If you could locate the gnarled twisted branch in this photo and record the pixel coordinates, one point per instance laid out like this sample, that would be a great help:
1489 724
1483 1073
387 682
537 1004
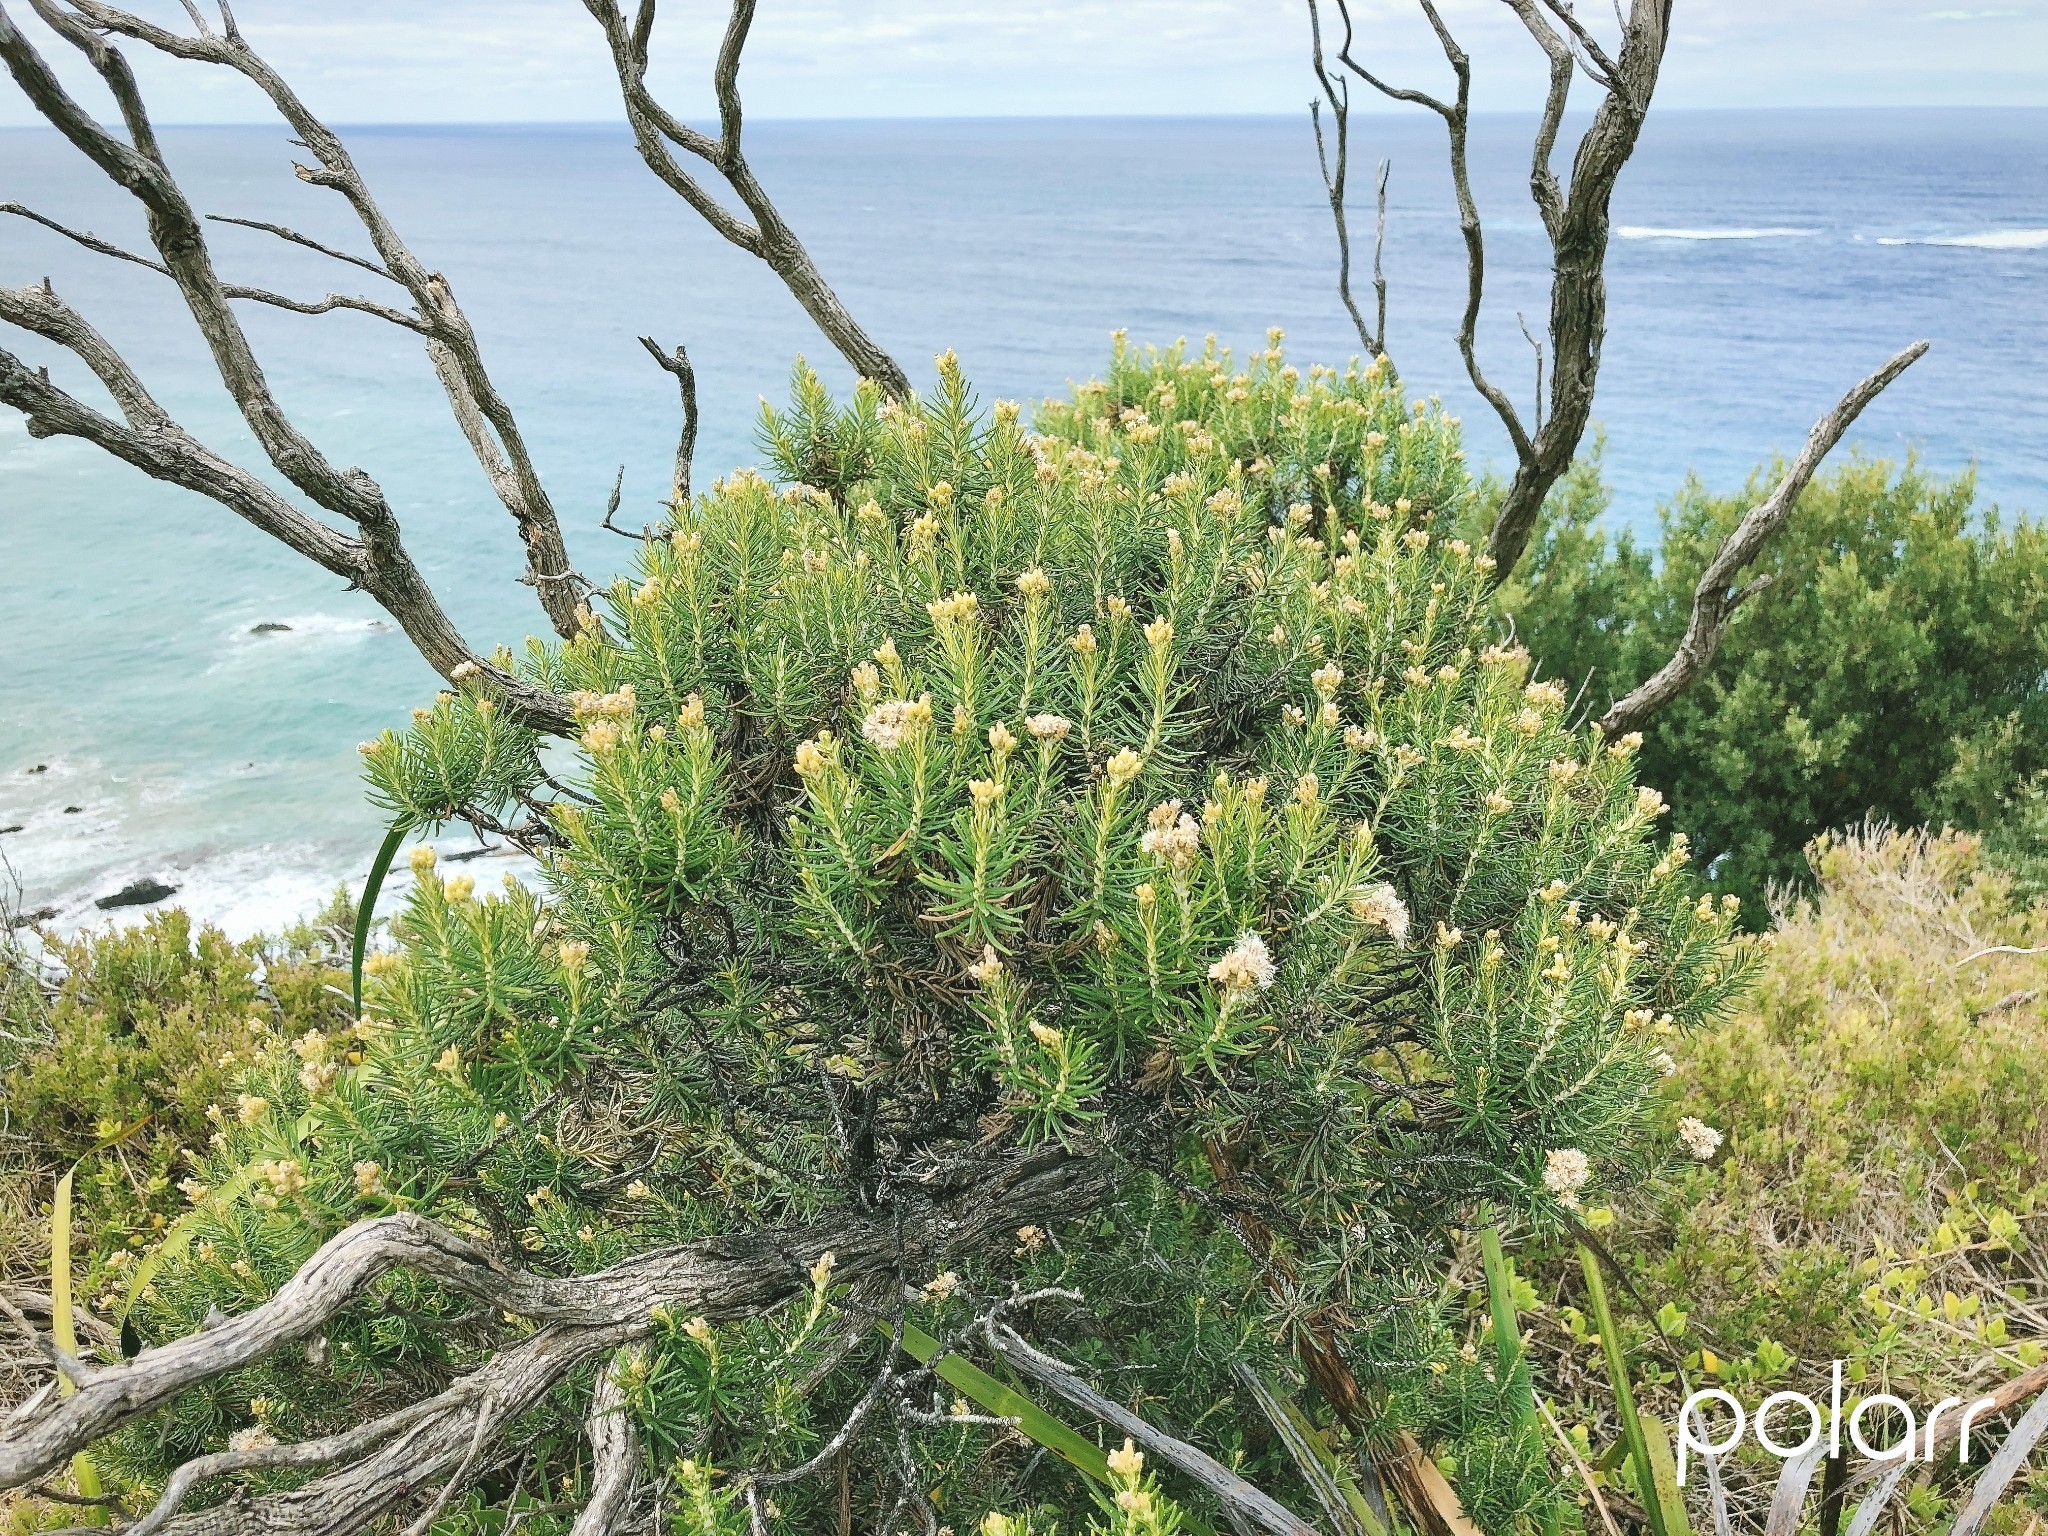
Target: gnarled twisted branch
973 1205
452 343
372 555
1574 215
1717 596
659 133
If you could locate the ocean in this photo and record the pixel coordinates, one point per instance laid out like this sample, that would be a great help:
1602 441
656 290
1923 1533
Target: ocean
1765 261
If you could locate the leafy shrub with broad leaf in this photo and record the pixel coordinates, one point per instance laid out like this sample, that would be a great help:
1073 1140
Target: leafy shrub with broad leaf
1896 665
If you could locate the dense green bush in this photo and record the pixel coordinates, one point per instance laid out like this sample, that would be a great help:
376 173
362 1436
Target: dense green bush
1148 799
1897 666
145 1027
1883 1196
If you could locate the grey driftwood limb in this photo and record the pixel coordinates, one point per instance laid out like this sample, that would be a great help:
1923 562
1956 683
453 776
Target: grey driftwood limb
658 134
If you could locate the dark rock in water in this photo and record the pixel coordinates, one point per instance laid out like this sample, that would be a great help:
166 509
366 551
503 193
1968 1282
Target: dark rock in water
141 894
40 768
30 919
464 855
73 810
5 830
270 629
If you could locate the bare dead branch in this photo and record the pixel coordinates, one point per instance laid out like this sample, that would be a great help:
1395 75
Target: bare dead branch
686 383
1593 59
1456 114
1337 91
152 442
1579 227
472 395
1575 219
1379 250
614 1451
1244 1502
2005 1397
293 237
306 1453
67 1364
1314 1473
657 133
971 1206
1716 596
1543 186
1536 347
332 302
85 238
2012 1455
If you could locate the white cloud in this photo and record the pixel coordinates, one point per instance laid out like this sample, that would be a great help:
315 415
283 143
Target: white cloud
543 60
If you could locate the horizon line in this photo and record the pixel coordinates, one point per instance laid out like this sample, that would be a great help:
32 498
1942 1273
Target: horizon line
1056 117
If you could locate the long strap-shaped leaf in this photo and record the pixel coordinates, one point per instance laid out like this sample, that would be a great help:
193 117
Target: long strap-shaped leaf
179 1238
1624 1396
1790 1498
1078 1452
367 907
1081 1454
63 1328
63 1323
2018 1445
1664 1475
1871 1510
1343 1504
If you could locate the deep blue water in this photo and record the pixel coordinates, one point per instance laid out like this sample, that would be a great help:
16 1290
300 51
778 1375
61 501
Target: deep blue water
1767 261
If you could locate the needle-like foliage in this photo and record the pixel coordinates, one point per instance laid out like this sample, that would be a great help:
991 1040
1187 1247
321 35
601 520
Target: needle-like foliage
1150 788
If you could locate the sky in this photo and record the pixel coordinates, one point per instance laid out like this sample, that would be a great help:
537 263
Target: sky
418 61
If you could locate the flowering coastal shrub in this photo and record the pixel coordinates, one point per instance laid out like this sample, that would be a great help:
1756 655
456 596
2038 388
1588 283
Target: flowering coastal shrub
1148 791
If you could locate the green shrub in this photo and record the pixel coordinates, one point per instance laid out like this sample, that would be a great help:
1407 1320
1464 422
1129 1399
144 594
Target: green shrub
1897 666
1148 797
1883 1194
143 1026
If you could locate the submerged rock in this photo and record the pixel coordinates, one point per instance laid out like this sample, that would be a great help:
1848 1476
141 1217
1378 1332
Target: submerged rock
139 894
270 629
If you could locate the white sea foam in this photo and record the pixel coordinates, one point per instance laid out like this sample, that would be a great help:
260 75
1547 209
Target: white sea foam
1988 240
314 626
1657 232
249 891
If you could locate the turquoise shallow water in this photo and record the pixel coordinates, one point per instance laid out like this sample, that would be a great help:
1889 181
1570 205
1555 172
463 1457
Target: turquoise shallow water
1766 260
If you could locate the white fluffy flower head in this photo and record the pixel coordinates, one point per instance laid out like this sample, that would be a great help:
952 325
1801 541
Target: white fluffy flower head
1245 968
1565 1172
1699 1139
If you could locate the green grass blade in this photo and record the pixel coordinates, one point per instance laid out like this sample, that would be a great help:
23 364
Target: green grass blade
64 1329
1507 1332
62 1326
1624 1398
367 906
1664 1475
179 1237
1075 1449
1305 1442
1071 1447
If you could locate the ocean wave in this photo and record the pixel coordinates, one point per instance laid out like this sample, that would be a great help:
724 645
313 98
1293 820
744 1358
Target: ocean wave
1656 232
1987 240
